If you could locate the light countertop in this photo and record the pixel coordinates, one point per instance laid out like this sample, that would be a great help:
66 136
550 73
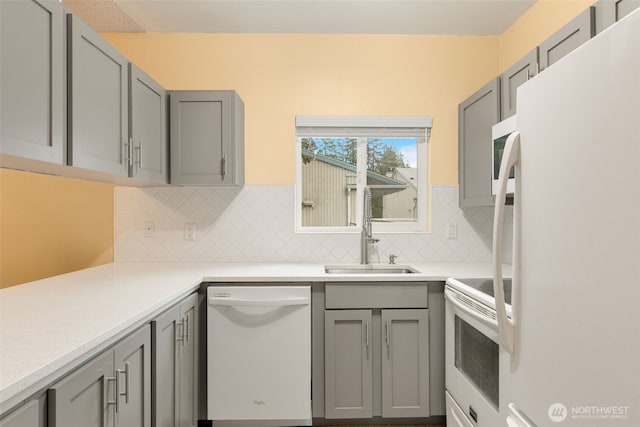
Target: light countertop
50 325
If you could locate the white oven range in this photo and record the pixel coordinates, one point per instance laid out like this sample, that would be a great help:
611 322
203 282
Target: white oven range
477 366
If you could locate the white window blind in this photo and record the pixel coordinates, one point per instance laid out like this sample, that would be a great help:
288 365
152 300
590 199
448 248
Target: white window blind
364 126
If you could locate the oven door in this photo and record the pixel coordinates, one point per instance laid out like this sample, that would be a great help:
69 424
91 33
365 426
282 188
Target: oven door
475 363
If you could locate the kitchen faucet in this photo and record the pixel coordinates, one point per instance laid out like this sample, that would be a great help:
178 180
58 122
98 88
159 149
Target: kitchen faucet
366 233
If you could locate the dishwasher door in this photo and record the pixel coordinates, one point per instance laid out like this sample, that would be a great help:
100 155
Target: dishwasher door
259 355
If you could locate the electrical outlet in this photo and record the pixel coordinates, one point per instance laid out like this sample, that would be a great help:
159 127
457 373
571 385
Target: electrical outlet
452 231
190 231
149 229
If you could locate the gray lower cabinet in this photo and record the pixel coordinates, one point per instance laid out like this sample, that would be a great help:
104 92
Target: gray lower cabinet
32 79
348 364
476 115
206 138
133 367
512 78
111 390
148 127
362 355
174 391
405 363
608 12
575 33
98 98
31 414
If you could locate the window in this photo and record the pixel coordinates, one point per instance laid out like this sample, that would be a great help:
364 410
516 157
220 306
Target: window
338 156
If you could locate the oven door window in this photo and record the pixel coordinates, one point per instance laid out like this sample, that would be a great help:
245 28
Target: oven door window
477 357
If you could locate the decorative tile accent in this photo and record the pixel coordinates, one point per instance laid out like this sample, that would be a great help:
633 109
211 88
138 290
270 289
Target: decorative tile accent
257 224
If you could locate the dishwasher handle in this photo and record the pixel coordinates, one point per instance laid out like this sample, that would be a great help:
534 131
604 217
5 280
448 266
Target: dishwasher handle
244 302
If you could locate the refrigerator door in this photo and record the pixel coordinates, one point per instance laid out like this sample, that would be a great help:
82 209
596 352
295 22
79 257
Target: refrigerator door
576 301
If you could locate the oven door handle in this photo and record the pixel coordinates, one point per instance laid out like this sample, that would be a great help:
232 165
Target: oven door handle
510 158
451 297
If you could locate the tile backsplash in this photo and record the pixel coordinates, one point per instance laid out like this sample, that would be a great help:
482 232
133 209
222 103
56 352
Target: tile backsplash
256 223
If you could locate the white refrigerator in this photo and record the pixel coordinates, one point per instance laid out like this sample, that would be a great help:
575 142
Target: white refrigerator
574 334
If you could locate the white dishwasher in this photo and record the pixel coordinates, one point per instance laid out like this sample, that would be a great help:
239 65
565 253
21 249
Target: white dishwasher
259 355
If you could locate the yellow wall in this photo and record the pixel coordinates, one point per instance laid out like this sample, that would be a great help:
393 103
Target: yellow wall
52 225
281 76
535 25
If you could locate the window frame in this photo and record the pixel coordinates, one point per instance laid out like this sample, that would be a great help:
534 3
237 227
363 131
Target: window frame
379 125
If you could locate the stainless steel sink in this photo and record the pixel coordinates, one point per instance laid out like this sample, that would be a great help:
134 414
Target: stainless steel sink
369 269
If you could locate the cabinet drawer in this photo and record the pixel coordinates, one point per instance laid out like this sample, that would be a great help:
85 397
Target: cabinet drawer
373 295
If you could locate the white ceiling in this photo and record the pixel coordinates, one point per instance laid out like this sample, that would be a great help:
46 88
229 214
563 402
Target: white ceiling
463 17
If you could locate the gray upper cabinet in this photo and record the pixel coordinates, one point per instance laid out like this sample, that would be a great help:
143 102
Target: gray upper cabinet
514 76
608 12
575 33
476 115
98 99
175 365
148 127
405 363
348 364
112 390
207 138
32 79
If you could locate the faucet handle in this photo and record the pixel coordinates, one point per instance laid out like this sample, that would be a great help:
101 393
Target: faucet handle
392 258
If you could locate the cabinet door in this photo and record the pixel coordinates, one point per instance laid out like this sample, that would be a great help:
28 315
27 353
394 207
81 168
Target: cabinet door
133 367
31 414
608 12
165 334
578 31
476 115
405 363
516 75
148 124
32 79
188 366
206 138
98 102
84 398
348 364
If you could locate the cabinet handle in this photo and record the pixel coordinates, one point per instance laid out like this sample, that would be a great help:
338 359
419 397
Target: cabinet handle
224 165
387 337
366 335
180 337
138 161
126 381
128 153
186 328
115 402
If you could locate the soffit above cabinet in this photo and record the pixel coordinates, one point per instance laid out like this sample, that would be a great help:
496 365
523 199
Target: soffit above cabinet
460 17
103 16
